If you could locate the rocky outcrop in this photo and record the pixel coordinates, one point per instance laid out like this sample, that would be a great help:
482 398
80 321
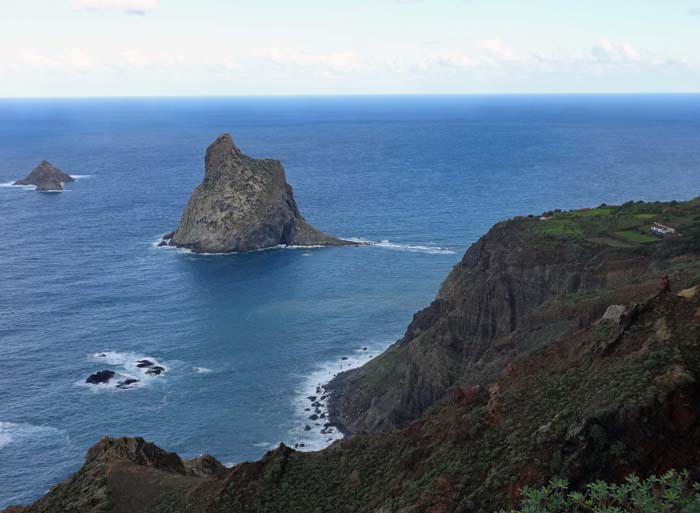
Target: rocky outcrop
243 204
46 177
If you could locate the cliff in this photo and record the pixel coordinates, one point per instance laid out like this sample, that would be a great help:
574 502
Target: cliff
243 204
583 363
526 283
46 177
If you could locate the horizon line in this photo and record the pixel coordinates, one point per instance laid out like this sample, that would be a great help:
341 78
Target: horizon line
348 95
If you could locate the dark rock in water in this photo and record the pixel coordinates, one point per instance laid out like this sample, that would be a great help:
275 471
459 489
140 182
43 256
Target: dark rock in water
343 357
127 382
307 428
311 398
144 363
301 445
307 409
313 417
243 204
364 349
165 239
155 371
46 177
101 377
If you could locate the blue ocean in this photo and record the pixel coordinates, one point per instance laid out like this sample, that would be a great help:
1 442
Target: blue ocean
245 338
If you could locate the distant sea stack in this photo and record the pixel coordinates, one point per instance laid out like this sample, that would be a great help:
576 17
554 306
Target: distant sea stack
46 177
243 204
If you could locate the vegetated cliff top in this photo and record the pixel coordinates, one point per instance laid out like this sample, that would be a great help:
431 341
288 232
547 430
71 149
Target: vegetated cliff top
597 377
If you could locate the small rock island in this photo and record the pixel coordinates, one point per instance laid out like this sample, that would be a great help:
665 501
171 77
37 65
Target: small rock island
46 177
243 204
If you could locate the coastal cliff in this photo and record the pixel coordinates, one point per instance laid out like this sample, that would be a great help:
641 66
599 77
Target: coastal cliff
562 346
46 177
243 204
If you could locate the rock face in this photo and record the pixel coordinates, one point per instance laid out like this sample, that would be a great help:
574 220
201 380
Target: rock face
541 357
515 291
46 177
243 204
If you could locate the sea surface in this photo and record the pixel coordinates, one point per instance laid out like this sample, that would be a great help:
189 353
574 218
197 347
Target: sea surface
245 338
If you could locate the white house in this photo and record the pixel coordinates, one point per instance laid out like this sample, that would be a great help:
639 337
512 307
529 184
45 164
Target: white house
662 229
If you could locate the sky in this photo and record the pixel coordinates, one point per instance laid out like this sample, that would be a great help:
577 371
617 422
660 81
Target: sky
78 48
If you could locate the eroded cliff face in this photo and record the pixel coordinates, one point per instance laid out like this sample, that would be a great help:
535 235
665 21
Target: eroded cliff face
512 293
243 204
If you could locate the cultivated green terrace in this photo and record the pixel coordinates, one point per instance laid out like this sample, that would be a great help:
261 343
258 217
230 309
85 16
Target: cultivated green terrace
627 225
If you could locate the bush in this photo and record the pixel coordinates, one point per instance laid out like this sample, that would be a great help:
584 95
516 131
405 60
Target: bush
671 493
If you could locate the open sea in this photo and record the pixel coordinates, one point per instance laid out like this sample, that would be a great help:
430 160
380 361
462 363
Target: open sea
245 338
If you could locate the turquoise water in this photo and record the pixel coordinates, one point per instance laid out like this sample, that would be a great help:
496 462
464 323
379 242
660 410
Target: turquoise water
245 338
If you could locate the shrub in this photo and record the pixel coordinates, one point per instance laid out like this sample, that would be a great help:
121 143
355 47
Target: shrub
672 492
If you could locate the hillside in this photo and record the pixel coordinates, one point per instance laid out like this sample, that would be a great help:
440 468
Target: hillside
561 346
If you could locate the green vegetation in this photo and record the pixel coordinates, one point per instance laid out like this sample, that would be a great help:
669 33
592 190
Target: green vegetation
636 236
670 493
593 212
620 226
561 227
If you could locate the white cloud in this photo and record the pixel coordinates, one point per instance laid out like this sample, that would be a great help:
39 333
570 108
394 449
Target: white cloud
452 59
497 49
335 61
127 6
611 52
72 60
36 59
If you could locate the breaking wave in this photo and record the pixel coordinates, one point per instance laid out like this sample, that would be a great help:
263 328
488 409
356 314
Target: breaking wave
387 244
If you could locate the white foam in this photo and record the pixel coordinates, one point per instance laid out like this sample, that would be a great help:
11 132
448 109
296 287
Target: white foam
81 177
12 184
129 369
11 433
186 251
386 244
201 370
30 187
314 385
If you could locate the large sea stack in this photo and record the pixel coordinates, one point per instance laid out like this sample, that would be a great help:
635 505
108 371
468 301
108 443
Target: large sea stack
243 204
46 177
